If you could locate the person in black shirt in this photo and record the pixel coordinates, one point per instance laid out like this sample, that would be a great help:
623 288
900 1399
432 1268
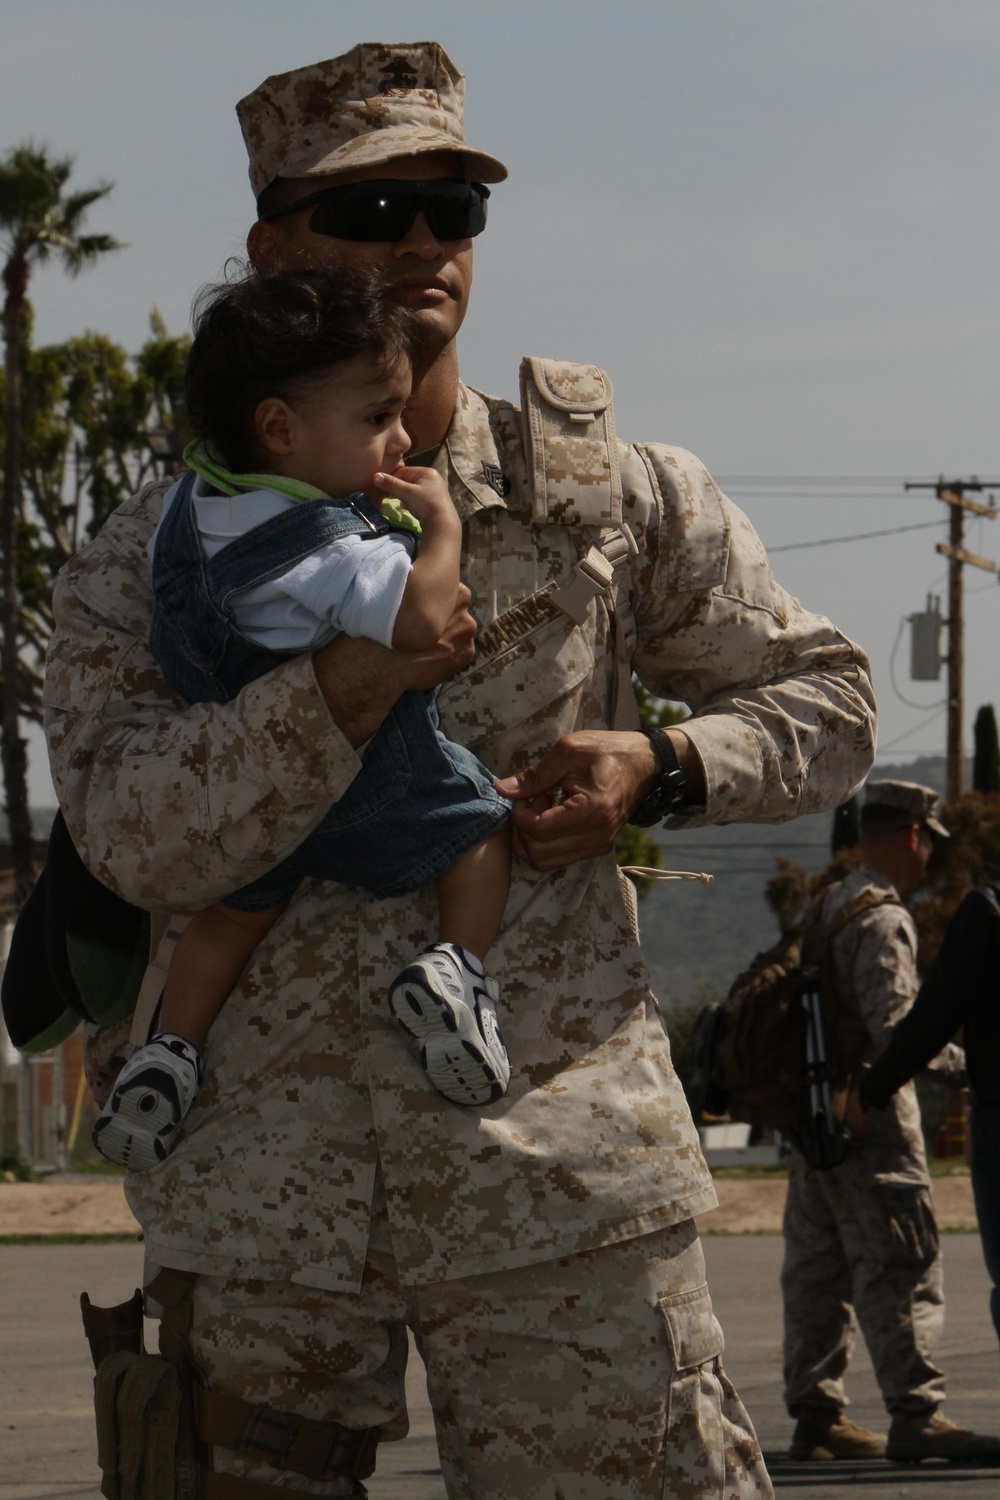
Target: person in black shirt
962 989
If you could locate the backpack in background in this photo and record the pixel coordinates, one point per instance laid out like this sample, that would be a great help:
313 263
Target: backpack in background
772 1053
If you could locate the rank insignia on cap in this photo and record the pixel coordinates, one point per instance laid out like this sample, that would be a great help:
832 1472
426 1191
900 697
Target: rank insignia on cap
496 479
397 75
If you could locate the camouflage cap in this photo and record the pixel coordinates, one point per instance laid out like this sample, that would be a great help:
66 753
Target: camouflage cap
910 798
380 101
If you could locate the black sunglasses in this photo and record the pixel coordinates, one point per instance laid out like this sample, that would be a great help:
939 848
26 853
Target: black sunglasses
384 209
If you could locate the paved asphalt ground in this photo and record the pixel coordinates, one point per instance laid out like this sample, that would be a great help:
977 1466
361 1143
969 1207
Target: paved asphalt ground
46 1419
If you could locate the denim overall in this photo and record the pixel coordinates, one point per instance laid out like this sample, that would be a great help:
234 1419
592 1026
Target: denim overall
419 800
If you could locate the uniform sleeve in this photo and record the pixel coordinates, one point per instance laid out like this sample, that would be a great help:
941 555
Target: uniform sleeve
783 713
174 806
883 969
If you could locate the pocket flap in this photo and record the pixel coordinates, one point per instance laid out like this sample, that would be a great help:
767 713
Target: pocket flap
692 1328
570 387
568 423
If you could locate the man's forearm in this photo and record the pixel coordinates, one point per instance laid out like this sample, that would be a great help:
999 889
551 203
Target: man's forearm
361 680
360 683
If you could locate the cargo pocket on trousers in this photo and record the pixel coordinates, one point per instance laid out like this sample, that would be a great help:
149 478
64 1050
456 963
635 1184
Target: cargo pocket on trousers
695 1436
906 1232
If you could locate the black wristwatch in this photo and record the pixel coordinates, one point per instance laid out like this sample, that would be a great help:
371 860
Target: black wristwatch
669 795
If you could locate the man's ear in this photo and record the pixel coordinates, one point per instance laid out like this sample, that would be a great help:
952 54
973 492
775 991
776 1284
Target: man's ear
264 246
274 426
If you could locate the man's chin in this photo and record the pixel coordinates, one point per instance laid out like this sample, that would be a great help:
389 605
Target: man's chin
439 326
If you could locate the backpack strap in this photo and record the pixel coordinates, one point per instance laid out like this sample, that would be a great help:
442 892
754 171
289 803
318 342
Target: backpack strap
571 451
862 902
817 934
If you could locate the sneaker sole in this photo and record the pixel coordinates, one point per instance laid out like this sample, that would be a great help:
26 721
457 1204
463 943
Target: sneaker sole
122 1133
451 1048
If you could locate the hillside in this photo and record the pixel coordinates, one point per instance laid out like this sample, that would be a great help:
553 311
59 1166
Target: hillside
697 938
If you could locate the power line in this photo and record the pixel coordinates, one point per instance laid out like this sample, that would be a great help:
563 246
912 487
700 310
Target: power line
804 489
915 730
710 850
860 536
857 481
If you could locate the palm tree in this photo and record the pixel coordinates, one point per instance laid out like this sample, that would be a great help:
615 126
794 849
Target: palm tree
37 224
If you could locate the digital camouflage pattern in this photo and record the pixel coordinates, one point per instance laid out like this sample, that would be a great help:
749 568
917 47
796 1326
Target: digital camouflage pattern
309 1081
873 961
852 1242
663 1419
572 456
864 1233
375 103
911 799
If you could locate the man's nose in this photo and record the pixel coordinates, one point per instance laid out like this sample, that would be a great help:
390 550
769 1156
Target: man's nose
419 239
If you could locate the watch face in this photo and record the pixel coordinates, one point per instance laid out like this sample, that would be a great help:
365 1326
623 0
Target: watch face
667 797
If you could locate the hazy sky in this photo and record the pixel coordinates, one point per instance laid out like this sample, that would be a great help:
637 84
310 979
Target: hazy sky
774 222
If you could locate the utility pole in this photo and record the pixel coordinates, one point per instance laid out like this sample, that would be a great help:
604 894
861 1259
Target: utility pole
953 493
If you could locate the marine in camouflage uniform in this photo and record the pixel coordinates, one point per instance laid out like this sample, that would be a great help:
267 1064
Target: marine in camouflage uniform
863 1235
322 1197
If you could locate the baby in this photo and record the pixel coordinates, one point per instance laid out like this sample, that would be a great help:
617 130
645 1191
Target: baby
298 520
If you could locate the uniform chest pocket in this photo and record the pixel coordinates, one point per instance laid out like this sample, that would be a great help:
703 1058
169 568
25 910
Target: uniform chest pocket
532 680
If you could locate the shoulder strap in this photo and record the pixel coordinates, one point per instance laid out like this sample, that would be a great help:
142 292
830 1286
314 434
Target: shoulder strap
568 423
816 934
862 902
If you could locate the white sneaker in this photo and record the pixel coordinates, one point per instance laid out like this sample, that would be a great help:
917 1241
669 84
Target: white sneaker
452 1012
154 1091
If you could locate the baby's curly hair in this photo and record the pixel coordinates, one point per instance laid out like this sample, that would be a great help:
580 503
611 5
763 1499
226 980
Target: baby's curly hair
276 334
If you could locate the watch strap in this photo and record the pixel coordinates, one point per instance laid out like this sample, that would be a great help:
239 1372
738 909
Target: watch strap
669 795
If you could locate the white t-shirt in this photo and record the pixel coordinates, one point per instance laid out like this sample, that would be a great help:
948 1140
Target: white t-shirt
353 586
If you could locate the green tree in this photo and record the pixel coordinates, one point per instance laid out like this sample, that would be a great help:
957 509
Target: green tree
986 760
792 888
88 409
968 858
39 221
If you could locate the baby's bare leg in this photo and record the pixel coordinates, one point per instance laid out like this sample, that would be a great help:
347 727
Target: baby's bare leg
473 894
211 954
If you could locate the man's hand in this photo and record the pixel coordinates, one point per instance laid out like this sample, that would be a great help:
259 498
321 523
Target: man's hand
361 680
455 651
571 804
